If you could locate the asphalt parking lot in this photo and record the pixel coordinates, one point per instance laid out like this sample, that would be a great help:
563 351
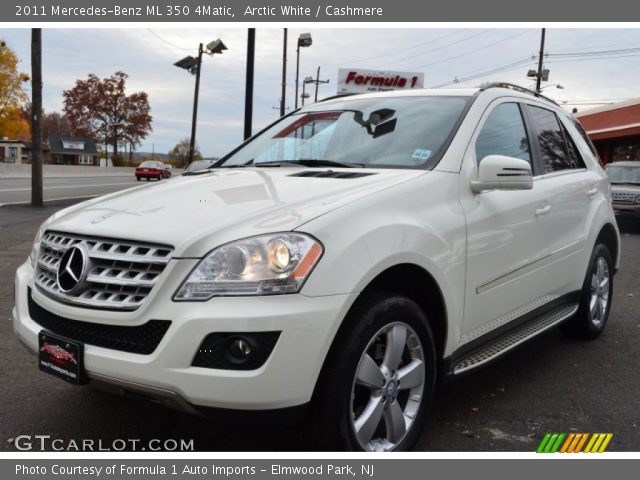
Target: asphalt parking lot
552 384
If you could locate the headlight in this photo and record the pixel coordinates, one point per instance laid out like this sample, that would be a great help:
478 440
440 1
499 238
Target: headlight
265 265
36 243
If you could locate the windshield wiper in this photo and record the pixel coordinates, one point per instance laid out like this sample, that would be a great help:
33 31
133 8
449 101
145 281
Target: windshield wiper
309 162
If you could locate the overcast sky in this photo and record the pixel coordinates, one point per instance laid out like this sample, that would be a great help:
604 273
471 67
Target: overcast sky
441 54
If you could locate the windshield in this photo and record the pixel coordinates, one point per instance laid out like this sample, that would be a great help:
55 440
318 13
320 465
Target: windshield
618 174
198 165
396 132
150 164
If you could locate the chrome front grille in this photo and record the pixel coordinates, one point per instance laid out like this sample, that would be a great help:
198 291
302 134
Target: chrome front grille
119 276
621 197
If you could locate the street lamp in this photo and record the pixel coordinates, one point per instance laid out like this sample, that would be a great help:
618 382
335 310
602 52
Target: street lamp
304 84
304 40
557 85
193 66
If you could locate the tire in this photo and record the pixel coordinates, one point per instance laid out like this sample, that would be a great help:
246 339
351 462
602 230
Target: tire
138 178
595 299
360 354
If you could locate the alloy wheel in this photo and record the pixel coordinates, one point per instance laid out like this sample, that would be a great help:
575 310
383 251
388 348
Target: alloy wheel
388 388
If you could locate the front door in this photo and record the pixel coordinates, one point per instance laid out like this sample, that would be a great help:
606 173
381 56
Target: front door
507 231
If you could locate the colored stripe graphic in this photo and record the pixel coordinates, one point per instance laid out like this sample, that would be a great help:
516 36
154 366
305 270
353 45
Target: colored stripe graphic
574 443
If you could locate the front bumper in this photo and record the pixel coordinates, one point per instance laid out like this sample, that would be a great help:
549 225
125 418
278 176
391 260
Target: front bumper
625 209
307 325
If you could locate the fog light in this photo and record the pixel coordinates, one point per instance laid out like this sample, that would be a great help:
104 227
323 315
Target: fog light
235 350
240 349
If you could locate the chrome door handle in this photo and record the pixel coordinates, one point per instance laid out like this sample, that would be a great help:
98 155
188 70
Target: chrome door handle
543 209
592 192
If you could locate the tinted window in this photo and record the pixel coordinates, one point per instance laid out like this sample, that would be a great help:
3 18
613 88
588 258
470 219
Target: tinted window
585 137
556 154
573 154
503 134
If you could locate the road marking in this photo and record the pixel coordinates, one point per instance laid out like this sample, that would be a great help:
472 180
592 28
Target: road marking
70 186
52 200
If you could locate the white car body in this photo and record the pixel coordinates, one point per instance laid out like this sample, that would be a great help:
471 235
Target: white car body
494 256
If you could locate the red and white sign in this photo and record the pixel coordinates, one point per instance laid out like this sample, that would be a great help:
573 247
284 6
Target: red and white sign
356 80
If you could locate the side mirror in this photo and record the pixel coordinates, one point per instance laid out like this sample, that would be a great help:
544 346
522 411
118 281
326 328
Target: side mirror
498 172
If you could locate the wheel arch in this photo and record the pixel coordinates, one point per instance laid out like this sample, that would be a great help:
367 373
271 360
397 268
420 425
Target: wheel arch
608 236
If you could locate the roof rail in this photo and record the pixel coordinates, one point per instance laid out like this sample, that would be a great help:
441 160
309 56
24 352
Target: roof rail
333 97
517 88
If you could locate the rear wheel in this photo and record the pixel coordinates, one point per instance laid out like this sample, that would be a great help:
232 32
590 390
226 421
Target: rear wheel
378 381
595 300
137 178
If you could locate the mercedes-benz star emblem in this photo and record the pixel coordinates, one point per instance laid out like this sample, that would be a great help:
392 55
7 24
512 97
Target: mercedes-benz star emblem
72 269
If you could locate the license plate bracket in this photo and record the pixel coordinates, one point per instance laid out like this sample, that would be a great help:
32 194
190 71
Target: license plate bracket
61 357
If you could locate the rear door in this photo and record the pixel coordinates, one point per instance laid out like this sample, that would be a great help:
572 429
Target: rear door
571 190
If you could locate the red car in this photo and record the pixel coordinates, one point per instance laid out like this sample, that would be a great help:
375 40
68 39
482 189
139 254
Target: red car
152 169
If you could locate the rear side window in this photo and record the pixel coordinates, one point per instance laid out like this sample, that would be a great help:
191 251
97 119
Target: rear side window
585 137
556 147
503 134
573 154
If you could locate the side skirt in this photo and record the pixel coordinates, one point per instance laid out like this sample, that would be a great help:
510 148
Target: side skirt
496 343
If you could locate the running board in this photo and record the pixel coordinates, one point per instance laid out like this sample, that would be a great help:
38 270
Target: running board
512 339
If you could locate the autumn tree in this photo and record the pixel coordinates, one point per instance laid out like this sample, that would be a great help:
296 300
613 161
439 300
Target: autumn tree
55 122
180 152
12 96
101 109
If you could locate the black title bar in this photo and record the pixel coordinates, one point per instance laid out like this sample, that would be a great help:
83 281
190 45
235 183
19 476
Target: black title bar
30 11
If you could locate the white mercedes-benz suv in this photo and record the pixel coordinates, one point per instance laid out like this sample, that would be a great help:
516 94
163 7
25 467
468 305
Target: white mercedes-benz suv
338 263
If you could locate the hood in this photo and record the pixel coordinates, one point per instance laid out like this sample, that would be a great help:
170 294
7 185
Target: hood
197 213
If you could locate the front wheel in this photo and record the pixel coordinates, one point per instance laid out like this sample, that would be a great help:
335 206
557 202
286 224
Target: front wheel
378 381
595 298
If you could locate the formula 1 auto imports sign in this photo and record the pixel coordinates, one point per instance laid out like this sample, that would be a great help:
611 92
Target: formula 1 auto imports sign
355 80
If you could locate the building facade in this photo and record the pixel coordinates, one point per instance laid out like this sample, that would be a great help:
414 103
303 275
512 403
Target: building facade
73 150
614 130
13 151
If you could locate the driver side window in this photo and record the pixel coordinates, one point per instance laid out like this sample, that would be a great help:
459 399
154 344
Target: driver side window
503 133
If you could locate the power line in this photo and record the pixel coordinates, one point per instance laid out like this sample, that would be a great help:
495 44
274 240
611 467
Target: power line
484 73
583 53
468 52
464 39
594 53
607 57
395 51
169 43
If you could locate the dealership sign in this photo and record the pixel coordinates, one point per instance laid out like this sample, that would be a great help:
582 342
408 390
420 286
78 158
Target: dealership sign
355 80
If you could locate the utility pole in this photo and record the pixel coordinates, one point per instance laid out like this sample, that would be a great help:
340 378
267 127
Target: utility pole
318 82
284 74
540 58
36 117
192 143
248 100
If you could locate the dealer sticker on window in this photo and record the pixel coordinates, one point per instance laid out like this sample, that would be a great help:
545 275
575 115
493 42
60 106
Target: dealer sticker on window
421 154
